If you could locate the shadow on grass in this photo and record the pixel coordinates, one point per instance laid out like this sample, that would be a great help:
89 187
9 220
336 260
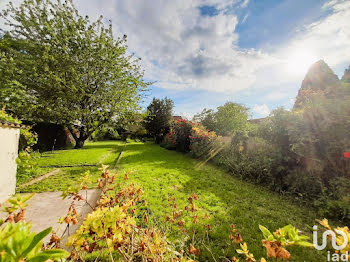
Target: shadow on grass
74 165
101 144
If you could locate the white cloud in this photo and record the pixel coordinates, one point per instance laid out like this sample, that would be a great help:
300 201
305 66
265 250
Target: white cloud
180 48
261 110
183 50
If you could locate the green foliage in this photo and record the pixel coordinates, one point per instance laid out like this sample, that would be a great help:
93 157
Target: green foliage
253 162
299 152
159 118
169 141
13 94
226 120
187 136
287 236
230 118
8 118
17 202
105 133
96 81
138 132
206 118
18 243
119 226
27 138
27 166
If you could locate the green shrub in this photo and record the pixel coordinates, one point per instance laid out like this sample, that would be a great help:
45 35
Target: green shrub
139 132
335 209
8 118
105 133
27 166
253 165
304 184
27 138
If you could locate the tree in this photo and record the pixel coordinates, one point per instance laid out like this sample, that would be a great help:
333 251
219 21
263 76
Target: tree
13 95
75 72
160 115
230 118
206 118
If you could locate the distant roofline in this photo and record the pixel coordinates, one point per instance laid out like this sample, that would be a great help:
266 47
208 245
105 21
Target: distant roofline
257 120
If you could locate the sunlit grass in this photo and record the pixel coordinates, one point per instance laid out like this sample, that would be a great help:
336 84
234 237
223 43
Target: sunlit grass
165 173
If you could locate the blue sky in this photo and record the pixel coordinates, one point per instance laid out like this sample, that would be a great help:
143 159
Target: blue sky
203 53
272 22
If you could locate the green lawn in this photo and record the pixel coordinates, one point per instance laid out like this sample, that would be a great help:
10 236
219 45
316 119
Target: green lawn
93 153
166 173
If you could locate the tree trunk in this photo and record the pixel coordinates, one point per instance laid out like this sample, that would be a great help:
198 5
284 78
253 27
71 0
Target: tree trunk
79 143
79 139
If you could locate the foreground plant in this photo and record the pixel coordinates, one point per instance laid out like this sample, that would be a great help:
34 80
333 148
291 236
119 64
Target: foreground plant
17 242
341 233
276 242
119 227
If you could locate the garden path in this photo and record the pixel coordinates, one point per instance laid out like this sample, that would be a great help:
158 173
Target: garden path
45 209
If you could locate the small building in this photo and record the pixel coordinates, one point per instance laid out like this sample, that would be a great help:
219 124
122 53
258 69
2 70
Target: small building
9 139
176 118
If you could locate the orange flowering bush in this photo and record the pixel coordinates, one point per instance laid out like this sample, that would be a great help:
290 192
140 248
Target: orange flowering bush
169 141
203 142
187 136
182 129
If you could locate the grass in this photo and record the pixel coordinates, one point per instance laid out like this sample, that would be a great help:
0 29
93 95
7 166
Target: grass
97 153
92 153
165 173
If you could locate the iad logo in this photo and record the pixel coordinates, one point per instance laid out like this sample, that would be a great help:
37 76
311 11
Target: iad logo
335 256
333 238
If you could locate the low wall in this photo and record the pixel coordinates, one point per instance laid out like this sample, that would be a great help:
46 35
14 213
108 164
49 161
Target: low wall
8 154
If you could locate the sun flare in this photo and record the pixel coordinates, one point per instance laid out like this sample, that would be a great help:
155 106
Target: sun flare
299 61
